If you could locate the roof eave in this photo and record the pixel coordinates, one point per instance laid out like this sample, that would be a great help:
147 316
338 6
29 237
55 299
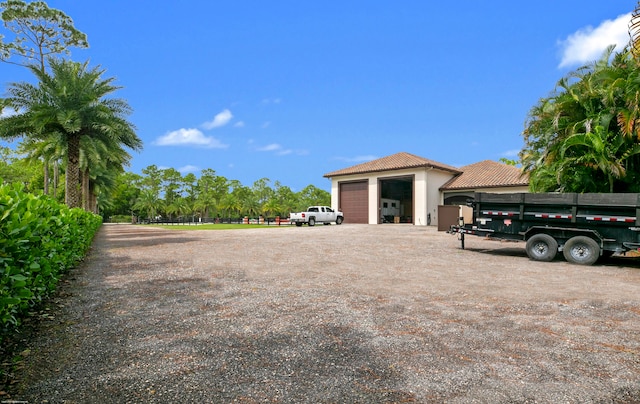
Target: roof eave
471 188
331 175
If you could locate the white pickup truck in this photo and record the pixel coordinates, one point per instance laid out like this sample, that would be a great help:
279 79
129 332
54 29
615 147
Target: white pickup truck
316 214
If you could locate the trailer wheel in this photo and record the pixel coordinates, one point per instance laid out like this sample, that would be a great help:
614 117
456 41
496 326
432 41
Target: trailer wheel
312 221
339 220
581 250
542 247
299 224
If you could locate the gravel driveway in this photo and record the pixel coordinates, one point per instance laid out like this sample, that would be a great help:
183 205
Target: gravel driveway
335 314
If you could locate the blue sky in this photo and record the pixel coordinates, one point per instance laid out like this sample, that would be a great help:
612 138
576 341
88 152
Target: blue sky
292 90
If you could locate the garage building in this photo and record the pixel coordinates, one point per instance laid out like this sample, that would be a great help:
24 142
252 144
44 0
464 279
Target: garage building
405 188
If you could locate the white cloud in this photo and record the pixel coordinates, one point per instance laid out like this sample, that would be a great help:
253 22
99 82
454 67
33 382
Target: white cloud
270 147
511 153
189 137
188 169
266 125
219 120
239 124
274 147
587 44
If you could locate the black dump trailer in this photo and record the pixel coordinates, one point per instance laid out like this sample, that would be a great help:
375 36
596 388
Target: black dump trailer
583 227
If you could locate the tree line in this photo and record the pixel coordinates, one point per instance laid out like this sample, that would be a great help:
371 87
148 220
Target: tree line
167 193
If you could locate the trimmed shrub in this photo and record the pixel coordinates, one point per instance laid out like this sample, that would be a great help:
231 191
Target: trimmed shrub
40 239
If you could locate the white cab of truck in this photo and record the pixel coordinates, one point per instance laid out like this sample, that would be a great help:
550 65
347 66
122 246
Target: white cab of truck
317 214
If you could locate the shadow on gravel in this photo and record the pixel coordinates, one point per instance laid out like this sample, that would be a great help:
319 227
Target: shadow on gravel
620 261
508 252
147 239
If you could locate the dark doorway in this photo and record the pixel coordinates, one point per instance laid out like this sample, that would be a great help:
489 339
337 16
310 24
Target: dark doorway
395 202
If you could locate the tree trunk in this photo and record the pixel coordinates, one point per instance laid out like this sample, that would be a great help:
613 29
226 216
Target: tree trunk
46 176
85 189
93 199
72 193
56 178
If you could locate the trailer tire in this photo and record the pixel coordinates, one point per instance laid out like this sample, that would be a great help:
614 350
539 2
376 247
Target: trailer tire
339 220
542 247
581 250
299 224
312 221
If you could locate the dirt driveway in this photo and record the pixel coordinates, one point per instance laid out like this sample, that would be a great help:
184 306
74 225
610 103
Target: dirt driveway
335 314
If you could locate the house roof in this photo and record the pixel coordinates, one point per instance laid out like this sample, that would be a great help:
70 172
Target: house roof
396 161
487 174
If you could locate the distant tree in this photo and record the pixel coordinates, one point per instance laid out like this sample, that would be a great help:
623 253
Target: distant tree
286 198
152 180
123 195
230 205
210 191
38 32
179 206
148 202
312 195
189 187
171 185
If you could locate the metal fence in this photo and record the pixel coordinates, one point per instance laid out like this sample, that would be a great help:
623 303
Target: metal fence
187 221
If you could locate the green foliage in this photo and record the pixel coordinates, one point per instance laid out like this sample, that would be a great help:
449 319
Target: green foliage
168 194
585 137
70 111
120 218
14 168
39 240
38 31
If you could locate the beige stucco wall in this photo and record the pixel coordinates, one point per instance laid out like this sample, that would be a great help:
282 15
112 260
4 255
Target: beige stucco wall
426 194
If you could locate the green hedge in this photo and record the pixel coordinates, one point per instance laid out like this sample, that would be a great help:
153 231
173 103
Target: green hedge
39 240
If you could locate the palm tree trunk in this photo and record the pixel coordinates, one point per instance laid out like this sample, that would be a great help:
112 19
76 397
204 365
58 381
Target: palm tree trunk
610 183
46 176
72 194
93 199
56 178
85 189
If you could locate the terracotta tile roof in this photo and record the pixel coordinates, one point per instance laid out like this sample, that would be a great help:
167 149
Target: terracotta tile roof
487 174
396 161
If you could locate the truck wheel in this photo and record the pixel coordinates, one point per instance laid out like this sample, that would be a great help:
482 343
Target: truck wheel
581 250
298 224
339 220
312 221
542 247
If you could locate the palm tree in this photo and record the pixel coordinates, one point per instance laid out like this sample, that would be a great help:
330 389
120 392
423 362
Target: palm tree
599 152
70 105
584 129
230 204
149 202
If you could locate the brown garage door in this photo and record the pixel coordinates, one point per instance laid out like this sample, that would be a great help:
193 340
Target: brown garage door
353 201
